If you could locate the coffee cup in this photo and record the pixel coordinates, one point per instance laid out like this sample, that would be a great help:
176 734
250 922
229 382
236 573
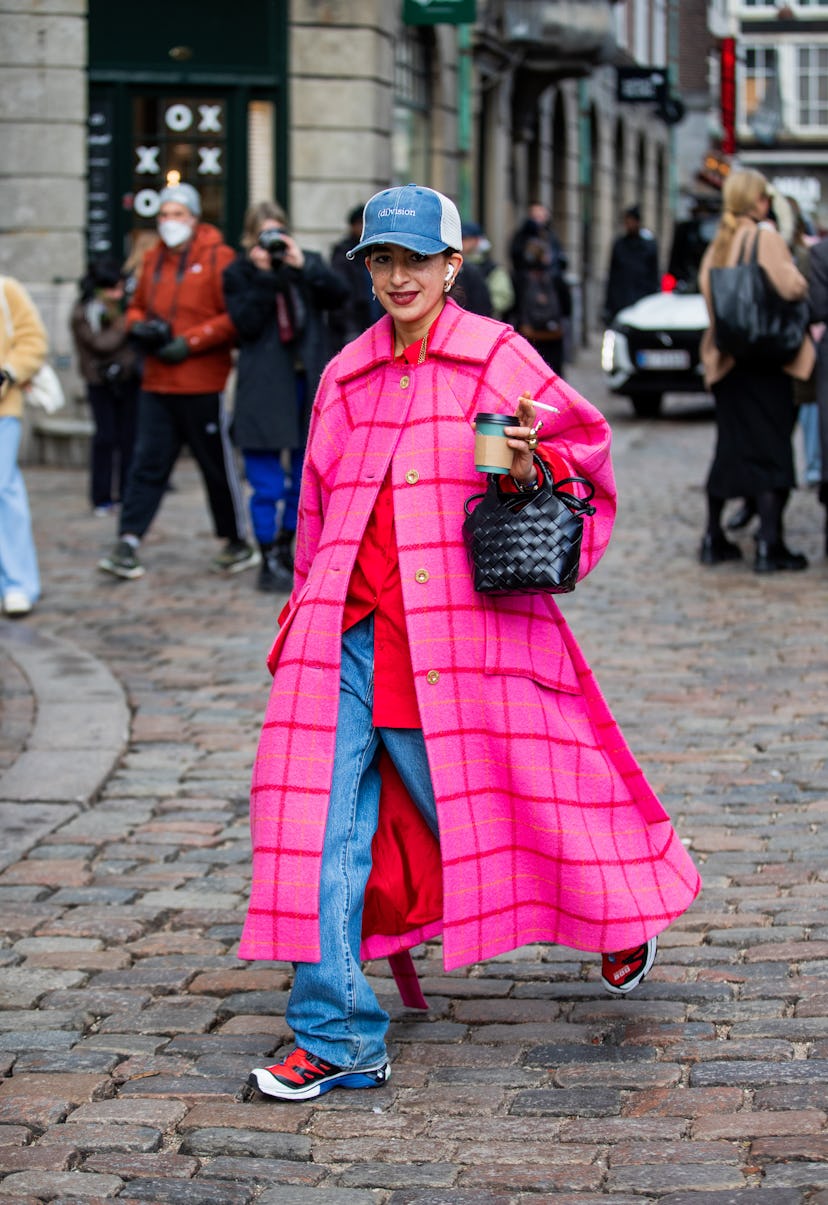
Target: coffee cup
492 453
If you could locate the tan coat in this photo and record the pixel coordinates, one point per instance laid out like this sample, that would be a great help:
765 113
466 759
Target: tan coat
775 257
25 350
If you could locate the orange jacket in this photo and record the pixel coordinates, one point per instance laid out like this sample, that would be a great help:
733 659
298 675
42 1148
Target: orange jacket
185 288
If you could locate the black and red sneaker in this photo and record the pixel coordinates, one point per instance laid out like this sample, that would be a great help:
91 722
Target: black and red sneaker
623 971
303 1076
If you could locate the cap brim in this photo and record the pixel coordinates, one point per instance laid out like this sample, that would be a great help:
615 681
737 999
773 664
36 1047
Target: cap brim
396 238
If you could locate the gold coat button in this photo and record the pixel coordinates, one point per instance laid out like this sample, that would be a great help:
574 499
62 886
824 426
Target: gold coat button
404 381
412 476
432 677
421 576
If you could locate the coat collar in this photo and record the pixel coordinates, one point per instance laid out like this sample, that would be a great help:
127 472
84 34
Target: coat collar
456 335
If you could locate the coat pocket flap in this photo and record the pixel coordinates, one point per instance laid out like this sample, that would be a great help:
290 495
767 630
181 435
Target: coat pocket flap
523 638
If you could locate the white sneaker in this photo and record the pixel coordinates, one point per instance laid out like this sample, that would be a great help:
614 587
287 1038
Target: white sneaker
15 602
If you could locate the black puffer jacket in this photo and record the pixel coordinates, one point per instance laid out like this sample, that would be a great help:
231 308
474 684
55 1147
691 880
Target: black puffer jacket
265 415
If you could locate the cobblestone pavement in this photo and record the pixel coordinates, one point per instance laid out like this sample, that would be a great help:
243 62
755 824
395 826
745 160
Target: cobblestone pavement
129 714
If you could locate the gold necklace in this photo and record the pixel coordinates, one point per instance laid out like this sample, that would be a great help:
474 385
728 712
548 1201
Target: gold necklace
423 348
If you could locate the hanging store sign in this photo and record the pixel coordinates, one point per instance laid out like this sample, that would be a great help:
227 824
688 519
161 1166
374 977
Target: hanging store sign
641 85
727 95
439 12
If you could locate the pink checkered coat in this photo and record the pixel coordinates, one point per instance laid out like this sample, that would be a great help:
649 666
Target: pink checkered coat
549 830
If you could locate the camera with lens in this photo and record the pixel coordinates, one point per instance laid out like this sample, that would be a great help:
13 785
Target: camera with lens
151 334
275 245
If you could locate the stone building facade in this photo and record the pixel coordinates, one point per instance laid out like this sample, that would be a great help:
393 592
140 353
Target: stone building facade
319 103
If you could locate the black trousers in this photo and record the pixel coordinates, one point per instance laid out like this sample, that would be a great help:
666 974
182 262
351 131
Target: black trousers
113 441
166 422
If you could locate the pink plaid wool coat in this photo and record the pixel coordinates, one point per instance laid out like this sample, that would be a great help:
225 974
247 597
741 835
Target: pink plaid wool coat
549 831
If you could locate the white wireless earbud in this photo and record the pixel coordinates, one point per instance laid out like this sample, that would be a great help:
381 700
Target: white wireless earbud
449 272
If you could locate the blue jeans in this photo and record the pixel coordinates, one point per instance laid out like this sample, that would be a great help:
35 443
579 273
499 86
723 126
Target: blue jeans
18 559
332 1010
809 422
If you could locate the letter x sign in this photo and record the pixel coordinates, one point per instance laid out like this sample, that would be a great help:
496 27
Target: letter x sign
209 165
147 160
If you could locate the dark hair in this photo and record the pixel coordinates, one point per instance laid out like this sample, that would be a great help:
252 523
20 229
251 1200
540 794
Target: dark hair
101 274
356 214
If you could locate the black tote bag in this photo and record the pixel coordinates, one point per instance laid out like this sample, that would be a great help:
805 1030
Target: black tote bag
753 322
527 543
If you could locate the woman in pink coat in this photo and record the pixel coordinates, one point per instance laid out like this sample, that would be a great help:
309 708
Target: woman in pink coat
436 761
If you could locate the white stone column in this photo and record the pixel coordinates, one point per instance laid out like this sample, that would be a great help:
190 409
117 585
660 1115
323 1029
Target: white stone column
43 110
341 63
43 166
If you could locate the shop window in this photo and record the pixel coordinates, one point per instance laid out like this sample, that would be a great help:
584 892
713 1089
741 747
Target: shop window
178 139
261 151
760 69
812 87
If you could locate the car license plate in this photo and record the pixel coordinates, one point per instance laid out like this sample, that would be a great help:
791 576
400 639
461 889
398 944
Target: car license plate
663 359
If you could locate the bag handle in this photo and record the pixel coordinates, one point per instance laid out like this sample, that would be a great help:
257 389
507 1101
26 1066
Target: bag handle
578 506
754 256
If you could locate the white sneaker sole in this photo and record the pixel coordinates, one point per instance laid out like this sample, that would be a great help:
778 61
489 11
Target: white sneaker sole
108 566
268 1085
17 607
648 966
250 562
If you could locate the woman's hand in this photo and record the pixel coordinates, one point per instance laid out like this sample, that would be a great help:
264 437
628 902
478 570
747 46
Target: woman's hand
523 467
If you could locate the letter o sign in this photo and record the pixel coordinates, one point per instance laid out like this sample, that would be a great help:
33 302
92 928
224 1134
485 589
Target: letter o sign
146 203
179 117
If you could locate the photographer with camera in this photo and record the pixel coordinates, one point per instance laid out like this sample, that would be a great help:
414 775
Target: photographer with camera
276 294
178 320
109 365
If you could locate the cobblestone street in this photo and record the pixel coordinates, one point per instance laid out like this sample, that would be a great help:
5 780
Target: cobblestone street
129 716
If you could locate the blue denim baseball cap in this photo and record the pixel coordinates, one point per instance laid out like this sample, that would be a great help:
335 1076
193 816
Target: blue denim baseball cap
410 216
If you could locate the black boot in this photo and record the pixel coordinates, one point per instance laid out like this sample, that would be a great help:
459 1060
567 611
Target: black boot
776 557
742 516
284 548
716 548
274 578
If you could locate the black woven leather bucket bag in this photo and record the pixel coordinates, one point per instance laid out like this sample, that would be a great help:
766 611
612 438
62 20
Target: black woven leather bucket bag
527 543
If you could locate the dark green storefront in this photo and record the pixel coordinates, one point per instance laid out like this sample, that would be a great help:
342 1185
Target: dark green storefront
184 89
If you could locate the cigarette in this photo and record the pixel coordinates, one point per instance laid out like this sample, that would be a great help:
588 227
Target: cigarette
541 405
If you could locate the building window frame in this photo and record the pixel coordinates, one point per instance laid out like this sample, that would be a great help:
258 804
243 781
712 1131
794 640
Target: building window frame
759 63
413 105
809 94
771 7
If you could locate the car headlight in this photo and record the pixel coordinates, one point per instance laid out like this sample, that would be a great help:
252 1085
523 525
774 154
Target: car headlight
608 351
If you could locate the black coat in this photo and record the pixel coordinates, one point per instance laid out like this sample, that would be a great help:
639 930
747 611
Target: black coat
360 308
265 413
818 295
472 292
633 272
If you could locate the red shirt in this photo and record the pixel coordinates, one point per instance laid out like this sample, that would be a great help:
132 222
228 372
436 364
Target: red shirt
375 586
